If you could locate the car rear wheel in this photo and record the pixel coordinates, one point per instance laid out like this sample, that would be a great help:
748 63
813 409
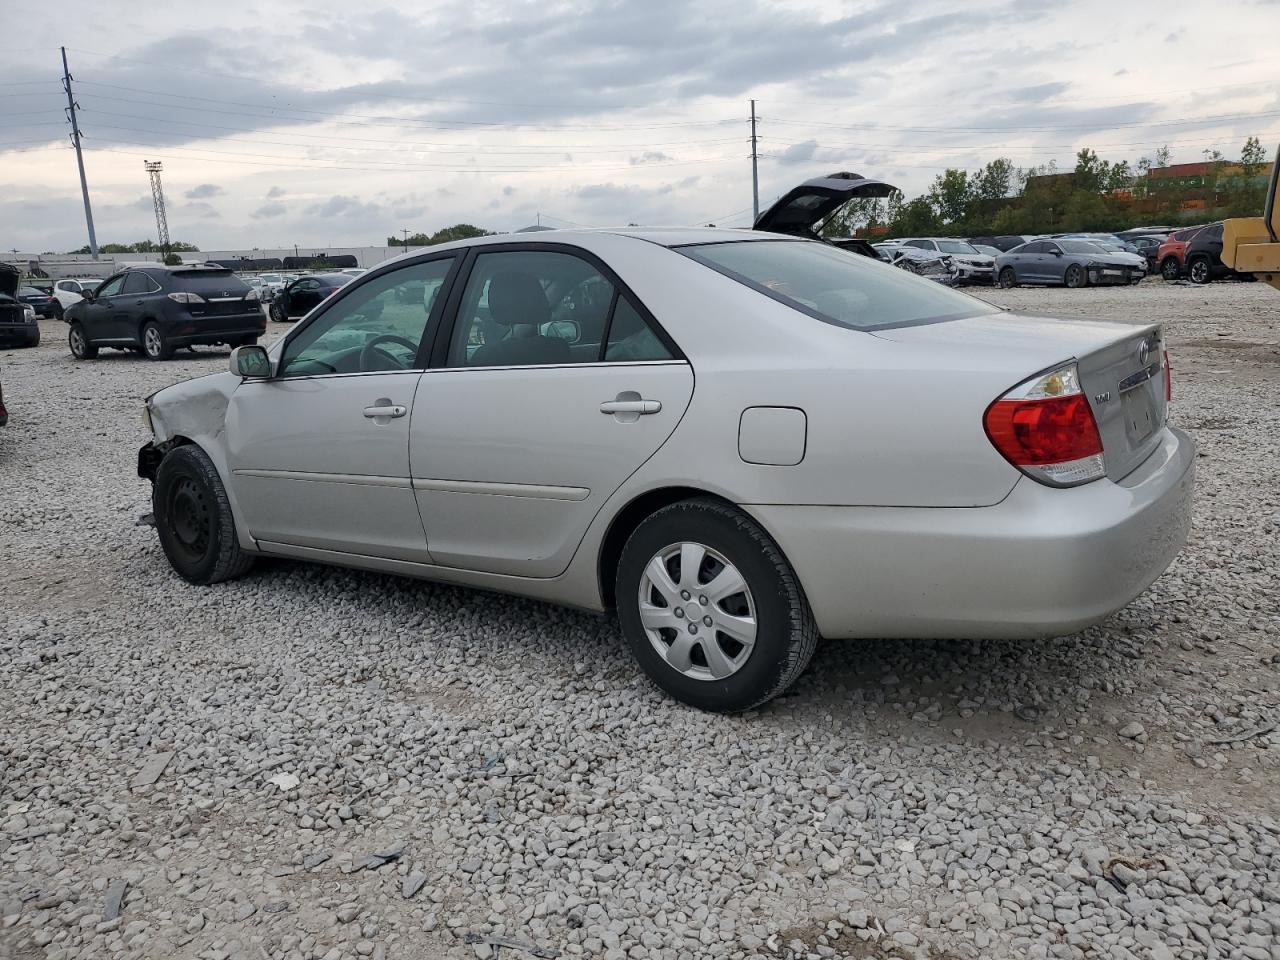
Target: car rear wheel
1074 277
193 518
79 343
154 343
1198 271
1008 278
711 608
1169 269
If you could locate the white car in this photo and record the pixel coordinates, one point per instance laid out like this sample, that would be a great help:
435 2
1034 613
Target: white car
972 266
738 441
67 292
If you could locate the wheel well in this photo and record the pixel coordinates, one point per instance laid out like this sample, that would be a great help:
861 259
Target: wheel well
625 523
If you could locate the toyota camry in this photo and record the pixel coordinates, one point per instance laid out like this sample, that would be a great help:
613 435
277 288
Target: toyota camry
738 441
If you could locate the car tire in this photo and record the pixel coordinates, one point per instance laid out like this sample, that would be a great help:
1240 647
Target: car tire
34 339
770 606
1008 278
278 313
194 520
1170 269
57 310
1199 271
155 345
79 343
1074 276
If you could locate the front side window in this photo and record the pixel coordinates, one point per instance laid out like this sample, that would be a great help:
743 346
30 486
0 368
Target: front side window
378 327
531 307
830 285
112 286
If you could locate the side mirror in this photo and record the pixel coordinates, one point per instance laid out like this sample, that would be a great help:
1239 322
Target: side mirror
567 330
88 294
1057 253
251 362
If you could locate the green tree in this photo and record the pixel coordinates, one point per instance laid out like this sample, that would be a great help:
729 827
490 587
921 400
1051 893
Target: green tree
459 231
1252 157
173 260
950 195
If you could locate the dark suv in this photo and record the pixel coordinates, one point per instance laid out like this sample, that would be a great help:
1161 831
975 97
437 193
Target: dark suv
18 327
1203 256
154 310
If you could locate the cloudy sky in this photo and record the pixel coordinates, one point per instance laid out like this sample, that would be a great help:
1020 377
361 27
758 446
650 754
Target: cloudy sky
337 124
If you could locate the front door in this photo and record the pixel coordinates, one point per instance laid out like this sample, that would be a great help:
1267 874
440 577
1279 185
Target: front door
556 387
99 325
302 296
320 452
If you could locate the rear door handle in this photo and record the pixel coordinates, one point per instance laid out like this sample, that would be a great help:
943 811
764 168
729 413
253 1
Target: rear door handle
385 410
638 407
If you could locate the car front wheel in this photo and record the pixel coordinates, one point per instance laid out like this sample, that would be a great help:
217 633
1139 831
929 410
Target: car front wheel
1008 278
193 518
711 608
154 343
1199 271
79 343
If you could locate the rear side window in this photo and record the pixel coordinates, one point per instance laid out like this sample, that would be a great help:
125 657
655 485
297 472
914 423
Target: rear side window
138 283
830 285
210 284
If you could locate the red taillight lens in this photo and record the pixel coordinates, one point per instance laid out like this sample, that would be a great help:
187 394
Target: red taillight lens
1045 428
1168 377
1033 433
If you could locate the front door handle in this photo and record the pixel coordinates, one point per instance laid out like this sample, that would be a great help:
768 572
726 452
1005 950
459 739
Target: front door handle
384 410
629 406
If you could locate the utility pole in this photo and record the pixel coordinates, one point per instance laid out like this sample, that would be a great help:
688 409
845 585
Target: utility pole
153 168
405 231
755 176
72 107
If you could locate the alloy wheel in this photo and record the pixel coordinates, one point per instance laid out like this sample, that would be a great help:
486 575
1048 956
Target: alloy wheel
697 611
1169 269
77 343
1199 271
152 342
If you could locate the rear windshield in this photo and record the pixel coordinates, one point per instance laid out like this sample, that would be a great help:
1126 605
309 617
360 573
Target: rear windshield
219 283
830 285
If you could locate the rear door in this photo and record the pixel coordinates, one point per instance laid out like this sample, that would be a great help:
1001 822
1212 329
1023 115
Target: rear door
126 317
518 440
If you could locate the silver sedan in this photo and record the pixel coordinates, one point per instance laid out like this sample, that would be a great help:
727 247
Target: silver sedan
738 441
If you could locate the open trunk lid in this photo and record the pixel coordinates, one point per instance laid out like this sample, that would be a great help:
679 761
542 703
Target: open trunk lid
9 277
1121 369
798 210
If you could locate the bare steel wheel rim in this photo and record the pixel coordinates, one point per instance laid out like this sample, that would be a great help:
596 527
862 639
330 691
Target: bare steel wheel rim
153 344
697 611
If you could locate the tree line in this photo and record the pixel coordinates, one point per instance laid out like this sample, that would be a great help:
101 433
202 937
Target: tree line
459 231
1097 194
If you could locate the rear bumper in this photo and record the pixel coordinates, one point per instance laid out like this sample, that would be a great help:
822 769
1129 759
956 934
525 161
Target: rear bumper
203 330
1044 562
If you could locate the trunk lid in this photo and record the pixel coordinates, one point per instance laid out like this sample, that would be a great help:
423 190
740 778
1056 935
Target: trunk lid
1121 369
799 209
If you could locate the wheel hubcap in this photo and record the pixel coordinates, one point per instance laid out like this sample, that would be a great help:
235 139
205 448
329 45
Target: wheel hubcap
697 611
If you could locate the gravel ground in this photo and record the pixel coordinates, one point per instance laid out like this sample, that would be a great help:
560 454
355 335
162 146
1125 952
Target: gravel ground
314 763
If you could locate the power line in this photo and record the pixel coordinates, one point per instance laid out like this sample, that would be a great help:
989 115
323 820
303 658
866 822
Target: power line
1180 121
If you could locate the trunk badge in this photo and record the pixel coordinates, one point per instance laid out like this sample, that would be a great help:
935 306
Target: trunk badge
1103 397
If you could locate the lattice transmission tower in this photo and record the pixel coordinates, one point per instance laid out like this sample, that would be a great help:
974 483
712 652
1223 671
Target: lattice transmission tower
157 195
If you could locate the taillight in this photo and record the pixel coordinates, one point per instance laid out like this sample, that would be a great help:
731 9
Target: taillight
183 297
1168 377
1045 428
252 294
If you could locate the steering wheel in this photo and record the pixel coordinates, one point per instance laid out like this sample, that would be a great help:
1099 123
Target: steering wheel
368 350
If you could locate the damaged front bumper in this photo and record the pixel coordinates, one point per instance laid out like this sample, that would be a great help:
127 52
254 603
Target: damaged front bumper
149 457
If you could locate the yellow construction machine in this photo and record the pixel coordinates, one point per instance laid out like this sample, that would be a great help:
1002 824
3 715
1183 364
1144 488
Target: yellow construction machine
1252 244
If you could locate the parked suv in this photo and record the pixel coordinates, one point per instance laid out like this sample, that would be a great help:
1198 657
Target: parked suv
18 324
155 309
1171 252
1203 256
69 291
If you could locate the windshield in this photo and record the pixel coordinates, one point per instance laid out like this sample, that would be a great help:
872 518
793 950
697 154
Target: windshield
956 246
828 284
1080 246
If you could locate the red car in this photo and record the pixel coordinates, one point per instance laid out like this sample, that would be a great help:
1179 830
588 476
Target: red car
1172 253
